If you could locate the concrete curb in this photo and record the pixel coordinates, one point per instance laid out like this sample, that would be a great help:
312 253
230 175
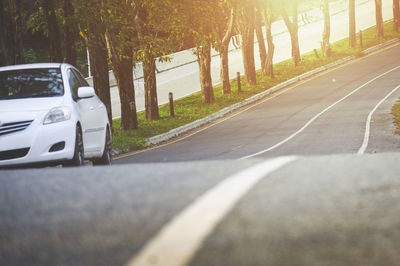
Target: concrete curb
220 114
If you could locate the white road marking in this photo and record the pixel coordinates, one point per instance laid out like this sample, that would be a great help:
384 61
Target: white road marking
179 240
318 115
368 123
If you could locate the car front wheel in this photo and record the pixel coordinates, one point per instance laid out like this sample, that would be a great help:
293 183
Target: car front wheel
78 159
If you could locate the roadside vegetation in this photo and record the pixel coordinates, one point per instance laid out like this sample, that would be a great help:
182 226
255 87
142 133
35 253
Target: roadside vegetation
191 108
396 115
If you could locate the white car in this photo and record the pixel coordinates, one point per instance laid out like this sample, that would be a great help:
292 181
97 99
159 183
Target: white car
50 115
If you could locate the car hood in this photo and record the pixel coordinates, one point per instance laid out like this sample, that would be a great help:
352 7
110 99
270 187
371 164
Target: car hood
26 109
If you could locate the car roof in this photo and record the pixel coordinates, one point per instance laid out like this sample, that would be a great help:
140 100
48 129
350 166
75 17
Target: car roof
32 66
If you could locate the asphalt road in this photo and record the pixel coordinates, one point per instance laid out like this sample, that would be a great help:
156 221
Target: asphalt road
327 205
327 210
359 86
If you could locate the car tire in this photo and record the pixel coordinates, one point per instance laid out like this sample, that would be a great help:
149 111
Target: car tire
106 157
78 159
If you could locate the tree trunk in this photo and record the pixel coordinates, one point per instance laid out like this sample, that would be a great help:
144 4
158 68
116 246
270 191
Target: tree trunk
16 24
248 56
4 50
246 27
150 88
123 72
326 46
352 24
100 74
396 15
55 52
99 65
223 53
269 65
69 33
204 61
260 40
224 70
379 18
294 39
122 66
294 35
149 67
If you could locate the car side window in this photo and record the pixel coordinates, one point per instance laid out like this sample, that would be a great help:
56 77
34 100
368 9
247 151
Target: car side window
82 80
74 84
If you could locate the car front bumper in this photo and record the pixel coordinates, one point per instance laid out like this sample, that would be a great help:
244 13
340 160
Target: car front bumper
38 139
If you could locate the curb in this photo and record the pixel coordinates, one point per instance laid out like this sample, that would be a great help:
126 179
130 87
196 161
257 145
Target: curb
220 114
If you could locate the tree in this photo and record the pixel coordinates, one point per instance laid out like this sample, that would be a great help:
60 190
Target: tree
5 58
293 27
99 66
396 15
122 66
200 29
326 47
204 37
268 19
379 18
204 60
224 30
120 38
246 26
54 35
70 32
260 37
157 25
92 29
17 30
149 69
352 24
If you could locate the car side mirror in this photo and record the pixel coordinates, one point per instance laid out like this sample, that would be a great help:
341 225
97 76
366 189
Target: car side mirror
86 92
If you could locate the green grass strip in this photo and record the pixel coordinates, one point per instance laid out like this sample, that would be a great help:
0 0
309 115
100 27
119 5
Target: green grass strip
396 114
191 108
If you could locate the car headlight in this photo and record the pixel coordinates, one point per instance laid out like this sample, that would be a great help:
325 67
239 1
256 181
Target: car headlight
57 114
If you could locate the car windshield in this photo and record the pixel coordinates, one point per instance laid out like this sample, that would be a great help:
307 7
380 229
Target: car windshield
29 83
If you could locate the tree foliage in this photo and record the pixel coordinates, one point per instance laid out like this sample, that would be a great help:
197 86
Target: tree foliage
201 30
122 33
157 25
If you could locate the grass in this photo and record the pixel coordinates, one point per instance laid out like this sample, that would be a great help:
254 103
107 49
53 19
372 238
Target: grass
191 108
396 114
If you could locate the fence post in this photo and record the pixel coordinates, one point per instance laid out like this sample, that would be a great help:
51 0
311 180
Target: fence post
238 82
171 104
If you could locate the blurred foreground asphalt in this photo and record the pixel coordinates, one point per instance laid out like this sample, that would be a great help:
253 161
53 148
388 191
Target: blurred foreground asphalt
327 210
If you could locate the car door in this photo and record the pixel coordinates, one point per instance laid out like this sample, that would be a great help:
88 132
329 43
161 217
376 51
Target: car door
91 129
100 118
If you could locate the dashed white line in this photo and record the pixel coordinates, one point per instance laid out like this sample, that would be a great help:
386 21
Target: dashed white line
368 123
179 240
318 115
